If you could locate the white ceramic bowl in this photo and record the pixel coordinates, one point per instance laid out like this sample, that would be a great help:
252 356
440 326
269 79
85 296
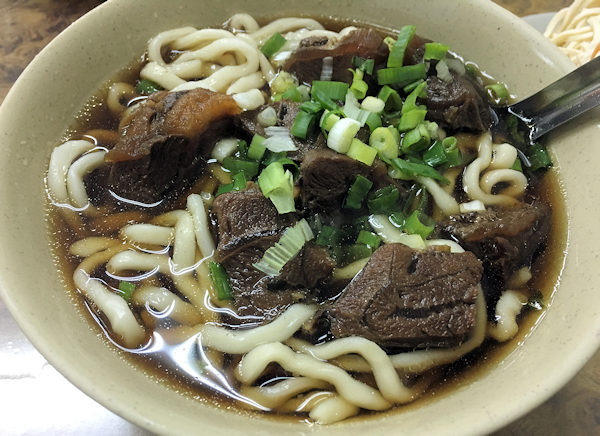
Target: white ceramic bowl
58 82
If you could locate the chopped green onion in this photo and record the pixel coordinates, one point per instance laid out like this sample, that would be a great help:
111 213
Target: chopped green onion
361 152
273 44
288 246
373 104
353 110
391 98
453 156
517 165
414 226
410 103
357 192
401 76
282 82
146 87
257 149
435 155
411 86
223 189
304 92
396 56
413 169
292 94
329 236
373 121
497 92
538 157
341 134
126 289
302 124
417 139
369 239
385 140
312 107
328 119
242 148
239 182
331 89
358 87
410 120
278 186
362 64
223 148
235 165
354 252
383 200
435 51
220 280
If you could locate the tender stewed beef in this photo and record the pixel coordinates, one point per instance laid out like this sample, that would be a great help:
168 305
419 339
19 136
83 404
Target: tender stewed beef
166 140
247 225
286 114
458 104
326 177
504 239
245 216
406 298
306 62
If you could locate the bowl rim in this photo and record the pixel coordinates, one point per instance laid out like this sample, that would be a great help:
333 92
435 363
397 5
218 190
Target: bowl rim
581 352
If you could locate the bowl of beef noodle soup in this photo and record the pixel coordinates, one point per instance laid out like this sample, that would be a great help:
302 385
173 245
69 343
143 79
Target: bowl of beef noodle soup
299 221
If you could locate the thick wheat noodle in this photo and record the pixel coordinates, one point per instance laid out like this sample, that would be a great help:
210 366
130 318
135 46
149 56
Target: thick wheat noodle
117 93
507 309
114 307
186 284
475 170
199 38
275 395
283 25
332 409
148 234
168 304
184 245
75 184
60 161
91 245
195 206
444 200
423 360
245 340
254 363
387 379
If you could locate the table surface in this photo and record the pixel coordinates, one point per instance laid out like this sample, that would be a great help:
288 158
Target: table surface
36 399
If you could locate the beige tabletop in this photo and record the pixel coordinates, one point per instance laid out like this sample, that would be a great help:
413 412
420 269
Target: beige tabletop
36 399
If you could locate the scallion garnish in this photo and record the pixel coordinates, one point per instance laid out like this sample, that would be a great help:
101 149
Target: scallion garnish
288 246
220 281
357 192
538 157
341 134
303 124
236 164
412 170
146 87
273 44
257 149
373 121
126 289
417 139
435 51
401 76
396 56
369 239
384 200
352 253
391 98
358 87
329 236
498 92
277 185
239 181
292 94
361 152
410 120
385 140
410 103
331 89
363 64
414 225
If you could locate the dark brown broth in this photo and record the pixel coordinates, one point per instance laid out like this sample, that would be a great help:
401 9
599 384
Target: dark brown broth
170 364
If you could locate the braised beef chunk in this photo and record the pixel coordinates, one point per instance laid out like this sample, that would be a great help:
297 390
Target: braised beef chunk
504 239
286 114
306 62
312 265
458 104
165 142
326 177
247 225
406 298
245 216
415 50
